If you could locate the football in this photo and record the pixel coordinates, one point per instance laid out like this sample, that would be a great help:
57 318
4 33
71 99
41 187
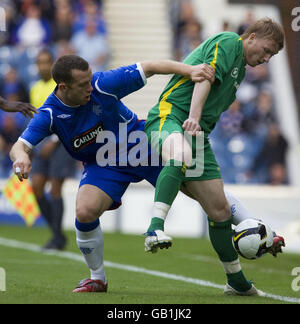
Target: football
252 238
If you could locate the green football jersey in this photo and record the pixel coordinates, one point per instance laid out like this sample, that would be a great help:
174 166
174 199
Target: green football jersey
225 53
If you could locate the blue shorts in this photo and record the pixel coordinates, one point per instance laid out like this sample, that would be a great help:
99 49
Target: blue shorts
115 180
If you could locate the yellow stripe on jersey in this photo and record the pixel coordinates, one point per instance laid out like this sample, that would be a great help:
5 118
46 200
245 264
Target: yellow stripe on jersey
214 61
166 107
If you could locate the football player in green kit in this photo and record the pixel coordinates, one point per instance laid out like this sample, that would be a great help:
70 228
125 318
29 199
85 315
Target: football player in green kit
187 110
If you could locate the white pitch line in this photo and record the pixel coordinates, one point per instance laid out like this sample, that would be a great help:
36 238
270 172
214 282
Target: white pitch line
77 257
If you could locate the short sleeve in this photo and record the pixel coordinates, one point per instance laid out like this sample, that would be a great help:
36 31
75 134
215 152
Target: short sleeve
38 128
120 82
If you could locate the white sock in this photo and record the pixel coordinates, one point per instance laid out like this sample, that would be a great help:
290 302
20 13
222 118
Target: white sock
232 267
98 274
160 210
238 211
91 246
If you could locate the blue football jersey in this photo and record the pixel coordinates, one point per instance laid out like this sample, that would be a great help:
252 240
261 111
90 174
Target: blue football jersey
78 127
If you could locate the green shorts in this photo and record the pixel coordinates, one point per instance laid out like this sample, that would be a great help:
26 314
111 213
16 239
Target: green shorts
206 168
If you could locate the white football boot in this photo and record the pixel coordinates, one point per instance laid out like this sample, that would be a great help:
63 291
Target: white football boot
229 291
157 239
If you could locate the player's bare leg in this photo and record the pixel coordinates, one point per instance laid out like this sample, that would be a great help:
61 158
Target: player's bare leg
91 203
177 154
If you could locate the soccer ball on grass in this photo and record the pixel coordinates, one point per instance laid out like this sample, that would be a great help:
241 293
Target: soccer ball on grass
252 238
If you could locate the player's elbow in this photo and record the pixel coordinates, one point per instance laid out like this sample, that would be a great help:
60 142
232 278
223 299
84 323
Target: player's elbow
148 68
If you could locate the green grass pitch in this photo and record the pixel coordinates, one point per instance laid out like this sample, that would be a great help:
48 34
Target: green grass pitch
187 273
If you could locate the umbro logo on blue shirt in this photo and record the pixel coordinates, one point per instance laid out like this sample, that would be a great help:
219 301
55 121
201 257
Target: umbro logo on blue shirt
63 116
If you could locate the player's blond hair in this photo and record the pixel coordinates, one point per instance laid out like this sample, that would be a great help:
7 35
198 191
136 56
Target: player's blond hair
266 28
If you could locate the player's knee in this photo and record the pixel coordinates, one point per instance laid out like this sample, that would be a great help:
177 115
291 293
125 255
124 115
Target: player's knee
85 214
221 212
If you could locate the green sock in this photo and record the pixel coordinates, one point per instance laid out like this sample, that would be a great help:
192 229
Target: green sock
167 186
221 238
169 182
238 281
156 224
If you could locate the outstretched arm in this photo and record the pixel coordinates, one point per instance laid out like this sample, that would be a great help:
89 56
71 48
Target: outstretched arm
197 73
15 106
20 156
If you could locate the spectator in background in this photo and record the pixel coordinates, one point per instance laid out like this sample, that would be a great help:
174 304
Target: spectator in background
189 39
259 75
249 19
265 109
92 46
272 158
46 7
10 19
63 24
260 114
181 13
86 11
256 78
50 161
32 30
13 91
10 129
63 48
12 88
231 120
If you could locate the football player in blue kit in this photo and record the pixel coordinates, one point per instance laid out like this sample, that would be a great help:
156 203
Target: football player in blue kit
82 107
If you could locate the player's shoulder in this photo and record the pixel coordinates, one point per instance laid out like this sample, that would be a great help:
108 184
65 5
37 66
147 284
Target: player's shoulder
228 35
112 74
226 39
103 84
115 82
227 42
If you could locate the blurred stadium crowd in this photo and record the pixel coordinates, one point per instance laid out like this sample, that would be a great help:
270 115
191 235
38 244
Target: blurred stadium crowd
247 141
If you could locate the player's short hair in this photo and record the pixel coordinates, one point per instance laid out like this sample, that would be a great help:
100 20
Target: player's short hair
62 68
266 28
